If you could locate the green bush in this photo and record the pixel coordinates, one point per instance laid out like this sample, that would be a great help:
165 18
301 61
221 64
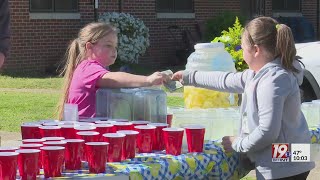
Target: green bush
232 42
216 25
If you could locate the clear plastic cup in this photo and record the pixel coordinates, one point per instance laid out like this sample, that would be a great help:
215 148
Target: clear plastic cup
70 112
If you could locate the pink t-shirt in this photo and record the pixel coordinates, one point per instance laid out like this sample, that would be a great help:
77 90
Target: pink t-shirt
83 86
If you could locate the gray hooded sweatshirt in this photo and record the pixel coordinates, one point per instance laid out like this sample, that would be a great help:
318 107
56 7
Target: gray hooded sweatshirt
271 107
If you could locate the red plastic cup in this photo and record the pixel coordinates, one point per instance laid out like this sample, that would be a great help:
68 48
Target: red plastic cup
28 161
8 149
8 167
97 153
52 123
50 131
158 143
137 123
195 137
169 119
68 131
52 160
32 141
73 153
116 141
84 128
145 138
70 122
173 140
30 131
104 128
55 143
119 120
101 118
31 146
53 138
103 122
48 121
123 126
129 146
89 136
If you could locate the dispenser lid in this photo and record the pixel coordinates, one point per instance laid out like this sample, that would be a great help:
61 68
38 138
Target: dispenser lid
209 45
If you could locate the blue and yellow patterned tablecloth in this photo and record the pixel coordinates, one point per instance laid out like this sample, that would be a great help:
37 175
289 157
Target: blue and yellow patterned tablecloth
213 163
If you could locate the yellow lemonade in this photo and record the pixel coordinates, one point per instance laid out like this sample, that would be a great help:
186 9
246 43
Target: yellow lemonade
204 98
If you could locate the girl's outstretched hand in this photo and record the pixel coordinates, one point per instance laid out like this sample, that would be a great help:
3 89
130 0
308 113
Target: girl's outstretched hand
156 78
177 76
227 143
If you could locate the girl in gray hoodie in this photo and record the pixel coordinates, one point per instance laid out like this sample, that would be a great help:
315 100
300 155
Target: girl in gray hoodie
270 106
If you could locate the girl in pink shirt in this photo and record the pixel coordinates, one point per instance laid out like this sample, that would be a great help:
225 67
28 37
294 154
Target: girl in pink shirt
84 72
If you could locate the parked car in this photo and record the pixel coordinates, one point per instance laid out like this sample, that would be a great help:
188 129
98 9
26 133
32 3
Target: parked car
310 57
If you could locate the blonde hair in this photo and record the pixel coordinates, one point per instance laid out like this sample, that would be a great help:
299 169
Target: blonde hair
276 38
76 52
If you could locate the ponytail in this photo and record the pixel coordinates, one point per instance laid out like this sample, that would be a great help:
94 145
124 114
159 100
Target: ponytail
73 58
285 47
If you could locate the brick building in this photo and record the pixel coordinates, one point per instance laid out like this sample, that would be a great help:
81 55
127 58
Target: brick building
41 29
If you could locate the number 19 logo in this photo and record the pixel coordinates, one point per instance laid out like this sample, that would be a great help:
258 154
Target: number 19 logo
280 152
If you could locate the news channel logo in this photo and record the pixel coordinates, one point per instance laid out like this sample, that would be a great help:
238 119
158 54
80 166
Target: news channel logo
296 152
